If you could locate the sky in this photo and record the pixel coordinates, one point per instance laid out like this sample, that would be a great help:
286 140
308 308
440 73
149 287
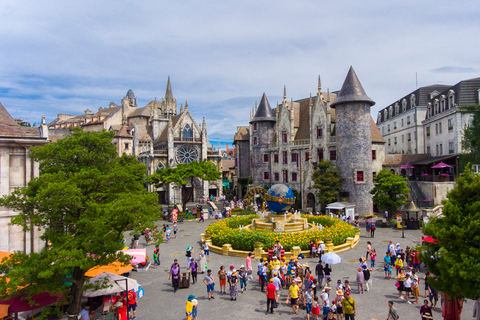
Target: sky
68 56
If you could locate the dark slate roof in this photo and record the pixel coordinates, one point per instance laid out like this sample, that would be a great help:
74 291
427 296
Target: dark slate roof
264 111
243 133
465 92
432 160
130 94
352 91
10 128
422 96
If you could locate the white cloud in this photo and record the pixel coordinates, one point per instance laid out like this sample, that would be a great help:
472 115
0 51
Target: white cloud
61 56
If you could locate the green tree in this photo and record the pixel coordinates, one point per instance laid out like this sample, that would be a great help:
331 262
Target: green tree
389 191
183 174
471 137
327 180
453 260
84 200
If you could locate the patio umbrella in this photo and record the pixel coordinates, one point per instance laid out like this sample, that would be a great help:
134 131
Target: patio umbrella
441 165
430 239
138 255
21 304
115 284
370 221
407 166
331 258
114 267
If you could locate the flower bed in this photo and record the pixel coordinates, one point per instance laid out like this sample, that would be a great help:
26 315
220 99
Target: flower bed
226 231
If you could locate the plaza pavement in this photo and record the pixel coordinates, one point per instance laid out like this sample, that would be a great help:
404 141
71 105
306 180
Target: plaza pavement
160 302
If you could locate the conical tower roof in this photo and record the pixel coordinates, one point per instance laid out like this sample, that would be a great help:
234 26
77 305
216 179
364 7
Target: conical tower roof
264 111
168 93
352 91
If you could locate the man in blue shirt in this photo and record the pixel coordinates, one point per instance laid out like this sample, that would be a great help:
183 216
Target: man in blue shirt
84 313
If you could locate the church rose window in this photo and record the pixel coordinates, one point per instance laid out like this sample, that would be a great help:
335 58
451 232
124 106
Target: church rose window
186 154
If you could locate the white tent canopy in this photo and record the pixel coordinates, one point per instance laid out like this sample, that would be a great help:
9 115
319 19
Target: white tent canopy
115 284
347 206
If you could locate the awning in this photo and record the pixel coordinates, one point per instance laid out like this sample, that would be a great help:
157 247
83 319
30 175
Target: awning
114 267
434 160
138 255
340 205
18 304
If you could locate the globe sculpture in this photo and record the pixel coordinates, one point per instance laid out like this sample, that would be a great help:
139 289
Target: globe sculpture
280 198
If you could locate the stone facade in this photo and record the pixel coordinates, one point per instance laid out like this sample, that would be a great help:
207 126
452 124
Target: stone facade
158 134
16 170
285 144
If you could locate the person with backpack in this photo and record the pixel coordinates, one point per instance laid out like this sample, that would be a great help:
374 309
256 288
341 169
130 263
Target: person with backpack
372 230
156 257
175 276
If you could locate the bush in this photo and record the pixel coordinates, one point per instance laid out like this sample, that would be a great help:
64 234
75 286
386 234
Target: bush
226 231
242 212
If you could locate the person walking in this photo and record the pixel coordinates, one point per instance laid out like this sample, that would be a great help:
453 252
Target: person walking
366 276
369 249
360 279
319 273
278 286
349 307
189 307
426 311
308 301
175 229
233 285
248 263
210 283
188 254
193 270
392 312
174 275
293 293
373 257
85 313
271 295
156 257
222 277
326 301
206 250
408 287
372 230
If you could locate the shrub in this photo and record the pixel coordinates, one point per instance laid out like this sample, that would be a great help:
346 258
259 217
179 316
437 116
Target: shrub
226 231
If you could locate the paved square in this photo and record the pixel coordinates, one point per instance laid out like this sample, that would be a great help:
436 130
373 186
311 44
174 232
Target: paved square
160 302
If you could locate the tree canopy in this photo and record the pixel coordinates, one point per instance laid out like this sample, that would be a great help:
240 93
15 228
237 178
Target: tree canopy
327 180
84 200
454 259
389 191
471 137
183 174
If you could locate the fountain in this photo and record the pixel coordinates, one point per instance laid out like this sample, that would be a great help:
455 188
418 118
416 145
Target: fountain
280 199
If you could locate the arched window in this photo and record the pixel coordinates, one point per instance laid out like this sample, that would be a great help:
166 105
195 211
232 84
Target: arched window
396 108
412 101
451 99
404 105
187 133
390 111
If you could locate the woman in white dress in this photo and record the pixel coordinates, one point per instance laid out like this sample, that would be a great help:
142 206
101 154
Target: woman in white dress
202 261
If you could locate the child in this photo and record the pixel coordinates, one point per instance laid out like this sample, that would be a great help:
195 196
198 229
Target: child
156 257
314 250
373 256
194 309
315 308
415 289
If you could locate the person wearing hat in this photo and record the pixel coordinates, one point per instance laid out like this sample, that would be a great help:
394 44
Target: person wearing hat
338 301
360 279
189 307
233 280
271 296
121 310
242 274
293 293
319 272
195 309
263 276
277 249
325 301
349 307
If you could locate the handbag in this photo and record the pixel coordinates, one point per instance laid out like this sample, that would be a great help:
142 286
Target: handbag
397 284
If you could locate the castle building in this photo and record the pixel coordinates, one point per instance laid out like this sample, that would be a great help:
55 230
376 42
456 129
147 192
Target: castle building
158 134
283 145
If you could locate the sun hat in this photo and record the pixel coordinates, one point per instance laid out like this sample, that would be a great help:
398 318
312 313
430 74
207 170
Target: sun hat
276 267
191 297
274 257
271 280
194 302
118 304
339 292
234 273
306 265
298 279
326 289
242 266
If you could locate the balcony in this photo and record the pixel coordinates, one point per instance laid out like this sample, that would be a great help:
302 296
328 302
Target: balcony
187 140
301 142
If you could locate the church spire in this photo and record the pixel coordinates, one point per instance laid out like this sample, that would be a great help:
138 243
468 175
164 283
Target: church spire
168 93
181 107
285 93
319 84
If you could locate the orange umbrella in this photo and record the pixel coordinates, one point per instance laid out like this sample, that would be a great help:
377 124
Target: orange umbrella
114 267
4 254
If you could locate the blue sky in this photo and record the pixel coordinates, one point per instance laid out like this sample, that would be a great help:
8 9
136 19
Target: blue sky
66 56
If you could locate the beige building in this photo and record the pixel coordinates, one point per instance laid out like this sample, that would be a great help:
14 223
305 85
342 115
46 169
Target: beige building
16 170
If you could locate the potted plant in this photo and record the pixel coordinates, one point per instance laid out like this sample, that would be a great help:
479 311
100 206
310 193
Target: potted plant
258 245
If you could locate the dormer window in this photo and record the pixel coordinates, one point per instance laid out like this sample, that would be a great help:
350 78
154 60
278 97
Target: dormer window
412 101
451 99
404 105
397 108
390 111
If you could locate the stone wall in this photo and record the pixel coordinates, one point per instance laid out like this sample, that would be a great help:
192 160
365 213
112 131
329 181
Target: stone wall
436 191
354 153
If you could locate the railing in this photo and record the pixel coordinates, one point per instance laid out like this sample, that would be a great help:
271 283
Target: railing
187 139
301 142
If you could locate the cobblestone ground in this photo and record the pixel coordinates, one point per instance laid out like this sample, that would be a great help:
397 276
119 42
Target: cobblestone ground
160 302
